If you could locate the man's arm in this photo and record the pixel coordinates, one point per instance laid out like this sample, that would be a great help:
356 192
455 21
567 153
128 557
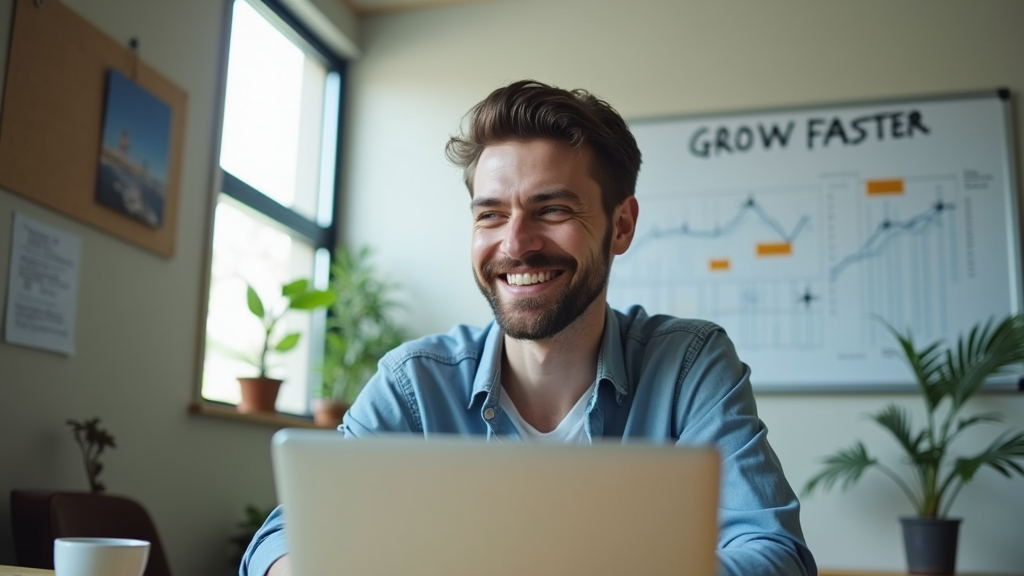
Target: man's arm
266 548
759 514
382 409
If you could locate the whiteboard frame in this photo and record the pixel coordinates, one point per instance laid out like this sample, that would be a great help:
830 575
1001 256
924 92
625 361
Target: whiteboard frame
1004 384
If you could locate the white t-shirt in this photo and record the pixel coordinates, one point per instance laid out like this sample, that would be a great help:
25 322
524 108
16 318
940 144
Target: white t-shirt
569 431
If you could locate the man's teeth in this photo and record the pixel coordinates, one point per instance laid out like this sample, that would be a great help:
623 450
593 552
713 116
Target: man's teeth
527 279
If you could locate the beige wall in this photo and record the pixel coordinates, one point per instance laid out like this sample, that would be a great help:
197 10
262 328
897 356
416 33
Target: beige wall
137 324
421 71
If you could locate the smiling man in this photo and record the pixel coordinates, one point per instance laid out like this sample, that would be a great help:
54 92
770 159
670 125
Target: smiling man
551 176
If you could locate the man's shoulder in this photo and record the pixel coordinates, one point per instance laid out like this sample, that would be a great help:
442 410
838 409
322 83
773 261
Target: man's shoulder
463 342
424 385
637 325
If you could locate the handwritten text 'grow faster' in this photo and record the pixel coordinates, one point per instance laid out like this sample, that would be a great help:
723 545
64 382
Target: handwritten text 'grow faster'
819 133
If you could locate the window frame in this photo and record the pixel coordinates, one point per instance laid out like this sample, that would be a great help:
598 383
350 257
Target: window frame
290 221
295 223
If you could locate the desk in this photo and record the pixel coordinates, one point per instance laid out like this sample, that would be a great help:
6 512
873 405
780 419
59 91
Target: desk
15 571
827 572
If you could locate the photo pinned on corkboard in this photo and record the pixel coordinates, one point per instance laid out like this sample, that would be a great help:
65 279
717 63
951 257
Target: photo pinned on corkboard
134 153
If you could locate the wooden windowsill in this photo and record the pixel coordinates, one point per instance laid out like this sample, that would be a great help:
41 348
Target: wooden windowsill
229 412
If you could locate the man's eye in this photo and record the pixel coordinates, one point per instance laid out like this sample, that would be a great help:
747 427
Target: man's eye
554 210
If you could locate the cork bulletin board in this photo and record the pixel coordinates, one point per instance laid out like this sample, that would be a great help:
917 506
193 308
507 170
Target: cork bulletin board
52 119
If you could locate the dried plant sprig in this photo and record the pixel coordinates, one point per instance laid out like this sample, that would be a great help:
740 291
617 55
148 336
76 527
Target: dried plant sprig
92 441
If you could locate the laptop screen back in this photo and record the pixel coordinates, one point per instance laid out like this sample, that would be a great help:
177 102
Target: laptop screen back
456 506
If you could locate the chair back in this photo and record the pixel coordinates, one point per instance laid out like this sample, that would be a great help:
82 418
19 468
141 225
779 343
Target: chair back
82 514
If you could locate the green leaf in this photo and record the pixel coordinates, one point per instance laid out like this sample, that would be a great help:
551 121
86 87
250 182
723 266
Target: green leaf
987 351
1002 455
105 440
254 517
335 341
295 287
926 364
965 423
288 342
255 304
846 465
312 299
895 420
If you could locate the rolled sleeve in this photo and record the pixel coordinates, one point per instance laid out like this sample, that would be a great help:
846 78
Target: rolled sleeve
266 547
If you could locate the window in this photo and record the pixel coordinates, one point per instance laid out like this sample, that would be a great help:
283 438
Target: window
274 218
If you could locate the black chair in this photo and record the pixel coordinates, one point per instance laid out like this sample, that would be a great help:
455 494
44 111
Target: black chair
39 517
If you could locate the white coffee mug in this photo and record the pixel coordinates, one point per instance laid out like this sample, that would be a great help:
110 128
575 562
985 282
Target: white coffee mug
99 556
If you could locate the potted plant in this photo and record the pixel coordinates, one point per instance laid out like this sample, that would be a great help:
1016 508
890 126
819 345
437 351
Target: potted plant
360 331
92 440
259 394
40 516
947 379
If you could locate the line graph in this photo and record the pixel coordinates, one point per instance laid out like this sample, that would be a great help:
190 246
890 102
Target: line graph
748 207
898 258
751 260
741 235
888 229
776 266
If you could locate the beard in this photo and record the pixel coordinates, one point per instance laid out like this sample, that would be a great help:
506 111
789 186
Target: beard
538 318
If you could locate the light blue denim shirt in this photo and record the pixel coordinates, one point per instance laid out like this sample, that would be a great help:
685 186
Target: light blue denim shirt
658 378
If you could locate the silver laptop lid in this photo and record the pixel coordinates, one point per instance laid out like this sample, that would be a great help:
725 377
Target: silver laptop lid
403 505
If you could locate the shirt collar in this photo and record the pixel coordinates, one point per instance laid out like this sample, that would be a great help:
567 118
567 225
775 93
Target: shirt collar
488 375
611 366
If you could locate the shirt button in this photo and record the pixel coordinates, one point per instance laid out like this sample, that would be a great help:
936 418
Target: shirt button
489 414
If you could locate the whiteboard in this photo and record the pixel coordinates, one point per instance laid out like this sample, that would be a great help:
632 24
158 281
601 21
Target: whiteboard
797 230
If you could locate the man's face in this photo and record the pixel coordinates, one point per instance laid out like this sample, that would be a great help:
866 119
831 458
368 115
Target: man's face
541 241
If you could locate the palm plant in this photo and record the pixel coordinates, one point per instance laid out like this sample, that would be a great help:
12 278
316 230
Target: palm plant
947 379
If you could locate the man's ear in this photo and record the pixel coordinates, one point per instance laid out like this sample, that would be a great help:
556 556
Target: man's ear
624 224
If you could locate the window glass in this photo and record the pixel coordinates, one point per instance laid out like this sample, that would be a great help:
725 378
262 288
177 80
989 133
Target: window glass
249 250
273 113
273 221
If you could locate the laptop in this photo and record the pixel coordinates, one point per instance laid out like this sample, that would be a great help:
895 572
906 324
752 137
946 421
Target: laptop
457 506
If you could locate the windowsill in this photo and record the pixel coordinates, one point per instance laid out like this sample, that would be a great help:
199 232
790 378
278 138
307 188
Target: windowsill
229 412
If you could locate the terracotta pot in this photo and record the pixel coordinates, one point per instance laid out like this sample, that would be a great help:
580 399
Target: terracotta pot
258 394
328 413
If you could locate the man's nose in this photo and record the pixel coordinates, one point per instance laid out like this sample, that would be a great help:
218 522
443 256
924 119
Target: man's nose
521 237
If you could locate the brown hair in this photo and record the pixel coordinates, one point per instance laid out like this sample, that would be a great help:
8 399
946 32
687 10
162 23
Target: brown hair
529 109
